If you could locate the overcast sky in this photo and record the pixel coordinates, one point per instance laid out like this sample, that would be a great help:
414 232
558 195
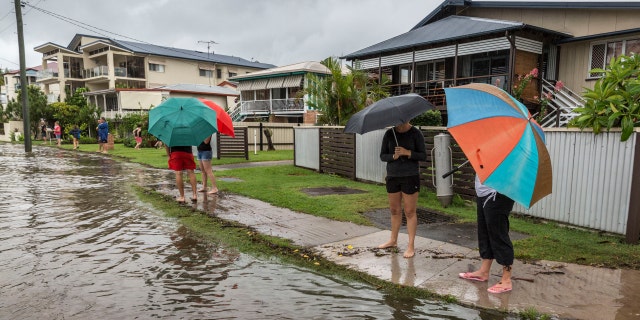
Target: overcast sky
278 32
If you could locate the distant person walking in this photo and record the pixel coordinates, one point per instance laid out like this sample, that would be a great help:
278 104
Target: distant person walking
43 130
205 155
137 134
103 134
75 134
57 131
402 149
181 158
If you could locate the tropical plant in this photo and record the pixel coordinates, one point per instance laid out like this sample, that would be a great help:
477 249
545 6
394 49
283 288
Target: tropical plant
523 82
431 118
614 100
341 94
37 102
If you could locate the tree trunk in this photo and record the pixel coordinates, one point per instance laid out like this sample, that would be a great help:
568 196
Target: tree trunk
267 133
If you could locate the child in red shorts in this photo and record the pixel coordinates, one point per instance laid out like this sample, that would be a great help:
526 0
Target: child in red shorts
181 158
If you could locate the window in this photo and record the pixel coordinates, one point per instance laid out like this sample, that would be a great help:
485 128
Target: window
232 74
219 73
405 74
206 73
156 67
602 53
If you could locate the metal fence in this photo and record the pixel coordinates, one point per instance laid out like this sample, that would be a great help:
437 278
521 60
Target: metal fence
594 176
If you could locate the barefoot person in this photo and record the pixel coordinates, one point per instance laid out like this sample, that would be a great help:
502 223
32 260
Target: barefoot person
402 149
57 131
75 135
137 134
181 158
493 211
103 134
205 154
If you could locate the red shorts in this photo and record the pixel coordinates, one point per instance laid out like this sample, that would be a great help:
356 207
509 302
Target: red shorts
138 139
179 161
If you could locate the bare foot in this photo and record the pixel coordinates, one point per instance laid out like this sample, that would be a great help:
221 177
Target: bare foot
202 190
213 191
409 253
390 244
180 199
475 276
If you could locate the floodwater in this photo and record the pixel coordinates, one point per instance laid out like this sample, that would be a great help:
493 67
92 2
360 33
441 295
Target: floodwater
75 243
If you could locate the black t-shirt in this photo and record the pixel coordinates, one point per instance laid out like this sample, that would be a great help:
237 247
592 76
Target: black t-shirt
180 149
204 146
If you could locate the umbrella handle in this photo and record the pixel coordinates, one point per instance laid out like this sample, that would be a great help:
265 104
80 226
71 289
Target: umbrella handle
455 169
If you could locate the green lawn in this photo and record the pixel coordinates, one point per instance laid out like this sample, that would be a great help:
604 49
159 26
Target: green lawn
282 186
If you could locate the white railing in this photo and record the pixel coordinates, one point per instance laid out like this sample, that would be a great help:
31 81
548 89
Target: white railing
46 74
266 107
96 72
561 107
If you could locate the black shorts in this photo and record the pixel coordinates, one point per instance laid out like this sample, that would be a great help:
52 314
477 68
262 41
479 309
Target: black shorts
408 185
102 140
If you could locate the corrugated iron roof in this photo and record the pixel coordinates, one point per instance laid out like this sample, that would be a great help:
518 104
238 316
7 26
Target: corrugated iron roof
447 29
190 54
450 28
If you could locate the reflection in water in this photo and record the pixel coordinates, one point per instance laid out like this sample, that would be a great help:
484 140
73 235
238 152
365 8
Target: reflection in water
75 244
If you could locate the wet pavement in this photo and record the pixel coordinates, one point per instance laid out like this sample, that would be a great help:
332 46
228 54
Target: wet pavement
564 290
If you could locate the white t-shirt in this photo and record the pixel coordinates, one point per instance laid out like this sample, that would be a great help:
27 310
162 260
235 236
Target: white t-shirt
482 190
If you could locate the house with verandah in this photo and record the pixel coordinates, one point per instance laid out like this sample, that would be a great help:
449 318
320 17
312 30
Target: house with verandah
276 94
111 68
499 42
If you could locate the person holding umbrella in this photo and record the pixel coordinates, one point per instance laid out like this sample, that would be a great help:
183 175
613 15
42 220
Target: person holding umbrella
180 159
493 210
402 148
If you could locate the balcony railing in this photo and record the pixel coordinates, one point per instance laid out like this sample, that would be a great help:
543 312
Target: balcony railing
264 107
96 72
46 74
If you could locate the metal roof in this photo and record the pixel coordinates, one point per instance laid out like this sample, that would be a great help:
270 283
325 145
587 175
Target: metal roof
296 68
447 7
190 54
447 29
152 49
200 88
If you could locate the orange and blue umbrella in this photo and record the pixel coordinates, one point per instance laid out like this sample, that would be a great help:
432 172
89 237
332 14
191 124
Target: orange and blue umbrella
503 143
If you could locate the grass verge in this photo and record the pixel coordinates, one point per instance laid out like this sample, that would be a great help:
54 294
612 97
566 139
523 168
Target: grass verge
245 239
283 186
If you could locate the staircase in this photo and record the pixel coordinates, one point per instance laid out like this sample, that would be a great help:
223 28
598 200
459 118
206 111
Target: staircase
561 108
236 114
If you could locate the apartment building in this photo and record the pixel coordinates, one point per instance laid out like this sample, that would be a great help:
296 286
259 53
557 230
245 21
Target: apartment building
107 67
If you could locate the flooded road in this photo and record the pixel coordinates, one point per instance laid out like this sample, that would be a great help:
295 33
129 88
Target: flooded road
75 243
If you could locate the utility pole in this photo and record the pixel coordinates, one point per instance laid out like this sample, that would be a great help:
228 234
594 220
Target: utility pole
209 43
24 90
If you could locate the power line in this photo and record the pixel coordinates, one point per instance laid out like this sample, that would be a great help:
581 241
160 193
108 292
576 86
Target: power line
105 33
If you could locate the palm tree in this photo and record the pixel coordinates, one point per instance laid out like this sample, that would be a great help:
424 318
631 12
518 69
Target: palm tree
342 93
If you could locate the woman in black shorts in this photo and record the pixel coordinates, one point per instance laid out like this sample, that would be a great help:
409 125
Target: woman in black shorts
402 149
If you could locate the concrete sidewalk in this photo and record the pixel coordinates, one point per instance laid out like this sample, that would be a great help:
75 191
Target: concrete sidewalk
568 291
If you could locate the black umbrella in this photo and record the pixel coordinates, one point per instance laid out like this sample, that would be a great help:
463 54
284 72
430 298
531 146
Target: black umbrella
387 112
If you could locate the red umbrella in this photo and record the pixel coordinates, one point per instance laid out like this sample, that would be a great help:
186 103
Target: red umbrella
225 124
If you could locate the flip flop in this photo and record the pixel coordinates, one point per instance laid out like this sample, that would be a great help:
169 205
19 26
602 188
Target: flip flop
498 289
194 199
469 276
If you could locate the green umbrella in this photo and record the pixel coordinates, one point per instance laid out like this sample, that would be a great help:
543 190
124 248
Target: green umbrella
182 122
